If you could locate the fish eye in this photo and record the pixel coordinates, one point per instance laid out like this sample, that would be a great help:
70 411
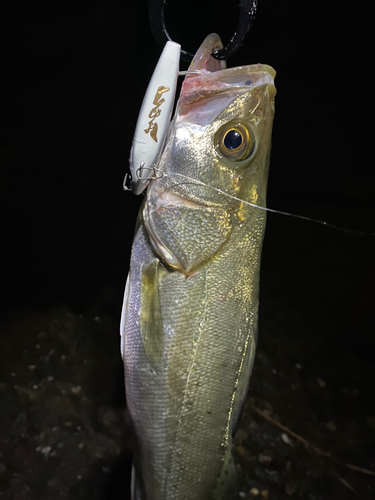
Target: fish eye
235 142
232 139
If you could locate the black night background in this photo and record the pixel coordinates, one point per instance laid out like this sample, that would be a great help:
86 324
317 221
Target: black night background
74 76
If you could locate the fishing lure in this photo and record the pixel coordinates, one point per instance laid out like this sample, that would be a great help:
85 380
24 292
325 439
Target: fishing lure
189 320
154 118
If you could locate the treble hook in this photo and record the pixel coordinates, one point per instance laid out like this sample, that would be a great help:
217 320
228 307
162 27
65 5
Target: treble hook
245 21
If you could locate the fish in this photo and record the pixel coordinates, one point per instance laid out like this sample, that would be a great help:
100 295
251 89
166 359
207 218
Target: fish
190 313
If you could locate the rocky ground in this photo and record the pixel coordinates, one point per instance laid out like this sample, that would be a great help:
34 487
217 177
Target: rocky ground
63 432
308 426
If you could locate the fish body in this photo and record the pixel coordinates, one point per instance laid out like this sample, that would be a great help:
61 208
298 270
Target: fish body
189 322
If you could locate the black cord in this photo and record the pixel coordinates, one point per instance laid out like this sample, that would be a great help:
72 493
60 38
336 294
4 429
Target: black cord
245 21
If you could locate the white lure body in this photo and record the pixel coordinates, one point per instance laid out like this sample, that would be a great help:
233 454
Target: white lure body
154 118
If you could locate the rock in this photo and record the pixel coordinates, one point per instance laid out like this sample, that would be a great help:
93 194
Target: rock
285 438
290 489
331 425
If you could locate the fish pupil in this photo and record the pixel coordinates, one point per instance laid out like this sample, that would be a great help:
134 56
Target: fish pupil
232 139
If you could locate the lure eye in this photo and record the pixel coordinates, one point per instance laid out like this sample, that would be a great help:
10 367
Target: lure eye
235 142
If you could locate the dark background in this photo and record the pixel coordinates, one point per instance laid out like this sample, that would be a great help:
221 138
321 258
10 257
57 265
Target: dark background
75 76
74 81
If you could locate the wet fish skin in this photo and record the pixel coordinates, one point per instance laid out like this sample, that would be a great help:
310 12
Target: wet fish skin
190 311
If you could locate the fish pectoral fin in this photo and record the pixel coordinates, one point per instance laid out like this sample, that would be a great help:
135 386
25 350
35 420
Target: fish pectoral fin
151 323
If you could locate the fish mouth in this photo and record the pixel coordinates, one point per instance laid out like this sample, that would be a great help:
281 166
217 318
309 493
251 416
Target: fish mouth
208 76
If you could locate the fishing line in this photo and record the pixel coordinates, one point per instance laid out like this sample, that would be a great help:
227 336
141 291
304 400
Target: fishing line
158 174
272 210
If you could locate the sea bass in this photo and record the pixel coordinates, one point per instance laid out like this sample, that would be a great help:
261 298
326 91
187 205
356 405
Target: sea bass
189 321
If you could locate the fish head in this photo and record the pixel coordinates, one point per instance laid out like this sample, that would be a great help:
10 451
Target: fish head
214 166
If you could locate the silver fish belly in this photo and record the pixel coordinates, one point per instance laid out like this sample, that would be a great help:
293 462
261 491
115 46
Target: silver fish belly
189 322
